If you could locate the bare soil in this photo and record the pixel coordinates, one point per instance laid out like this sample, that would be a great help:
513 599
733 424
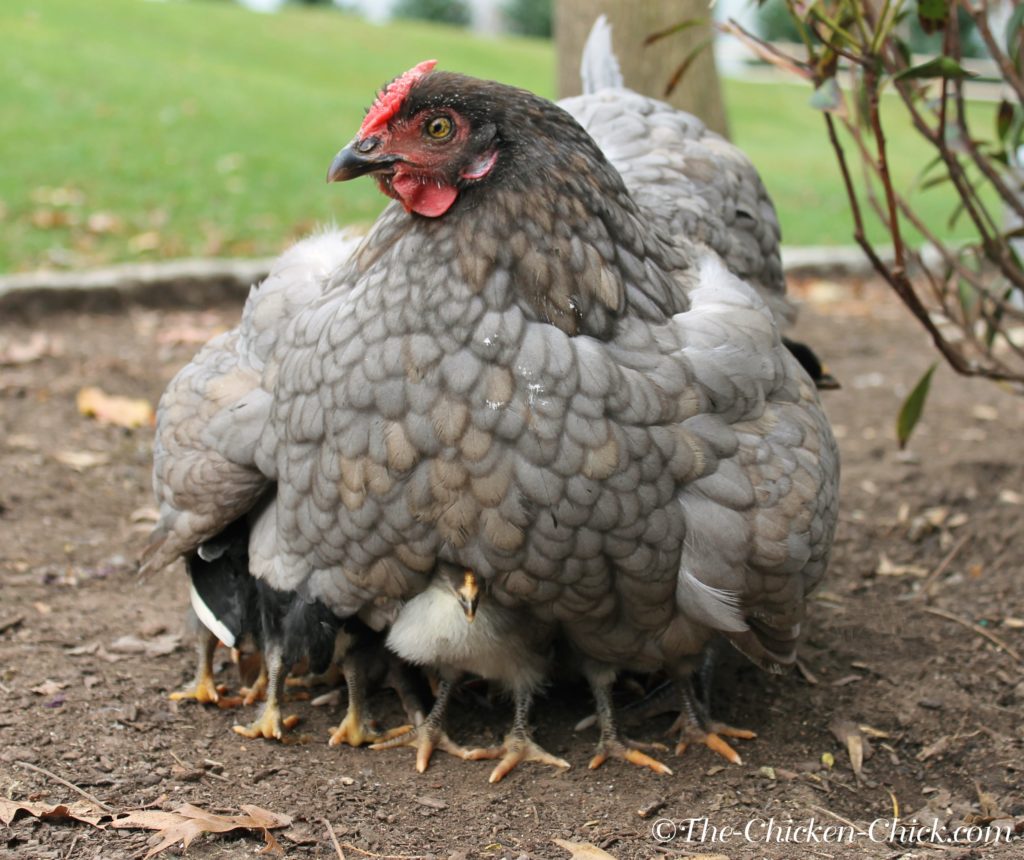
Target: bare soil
913 652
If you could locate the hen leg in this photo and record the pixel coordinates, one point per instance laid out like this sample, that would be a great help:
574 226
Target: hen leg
270 724
611 745
204 688
694 722
430 734
519 745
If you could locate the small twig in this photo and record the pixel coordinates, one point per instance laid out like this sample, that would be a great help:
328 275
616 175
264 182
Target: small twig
942 566
334 838
71 847
977 628
366 853
93 800
837 817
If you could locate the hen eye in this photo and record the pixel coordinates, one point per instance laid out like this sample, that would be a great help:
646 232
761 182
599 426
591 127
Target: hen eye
439 127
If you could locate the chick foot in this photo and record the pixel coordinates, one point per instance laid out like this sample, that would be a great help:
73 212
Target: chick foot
269 724
430 734
356 731
203 690
257 692
516 749
424 738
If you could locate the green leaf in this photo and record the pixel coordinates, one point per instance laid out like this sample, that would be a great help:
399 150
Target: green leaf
933 14
675 28
903 48
913 406
1004 119
937 67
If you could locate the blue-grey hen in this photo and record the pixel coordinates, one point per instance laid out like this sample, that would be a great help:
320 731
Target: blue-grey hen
524 373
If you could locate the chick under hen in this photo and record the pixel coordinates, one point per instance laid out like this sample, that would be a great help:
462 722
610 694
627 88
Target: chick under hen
454 628
215 503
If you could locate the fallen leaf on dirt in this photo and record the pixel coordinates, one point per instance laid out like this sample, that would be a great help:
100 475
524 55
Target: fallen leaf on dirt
9 810
188 334
23 441
849 734
886 567
38 345
158 646
81 460
49 688
187 822
13 622
938 748
112 409
583 850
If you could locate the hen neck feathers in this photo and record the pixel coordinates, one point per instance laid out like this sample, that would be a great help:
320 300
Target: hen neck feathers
553 230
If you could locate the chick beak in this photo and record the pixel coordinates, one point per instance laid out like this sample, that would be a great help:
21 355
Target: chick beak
359 158
469 594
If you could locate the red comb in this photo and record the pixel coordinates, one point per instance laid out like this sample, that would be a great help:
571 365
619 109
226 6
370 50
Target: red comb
390 99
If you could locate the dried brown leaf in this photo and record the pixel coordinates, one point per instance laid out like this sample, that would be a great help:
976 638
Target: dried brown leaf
112 409
157 646
81 460
38 345
583 850
84 812
937 748
849 734
49 688
187 822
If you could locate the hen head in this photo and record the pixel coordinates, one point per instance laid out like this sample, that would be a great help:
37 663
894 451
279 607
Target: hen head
424 140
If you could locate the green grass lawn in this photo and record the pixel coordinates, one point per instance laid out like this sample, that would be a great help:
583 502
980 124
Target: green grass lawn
140 130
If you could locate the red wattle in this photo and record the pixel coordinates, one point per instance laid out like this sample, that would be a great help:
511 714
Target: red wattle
424 198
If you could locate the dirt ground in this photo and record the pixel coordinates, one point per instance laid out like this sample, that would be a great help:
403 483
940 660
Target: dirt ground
913 655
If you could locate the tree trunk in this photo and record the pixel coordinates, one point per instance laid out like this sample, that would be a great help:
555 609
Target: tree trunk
646 69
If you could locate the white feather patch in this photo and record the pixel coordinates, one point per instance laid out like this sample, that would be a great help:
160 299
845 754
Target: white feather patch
209 620
707 605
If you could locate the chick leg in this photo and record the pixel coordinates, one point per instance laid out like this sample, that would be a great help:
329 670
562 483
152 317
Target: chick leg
519 745
257 692
610 744
270 724
204 688
356 728
430 734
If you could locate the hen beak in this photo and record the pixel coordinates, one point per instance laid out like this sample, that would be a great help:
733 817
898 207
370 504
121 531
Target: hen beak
469 594
359 158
